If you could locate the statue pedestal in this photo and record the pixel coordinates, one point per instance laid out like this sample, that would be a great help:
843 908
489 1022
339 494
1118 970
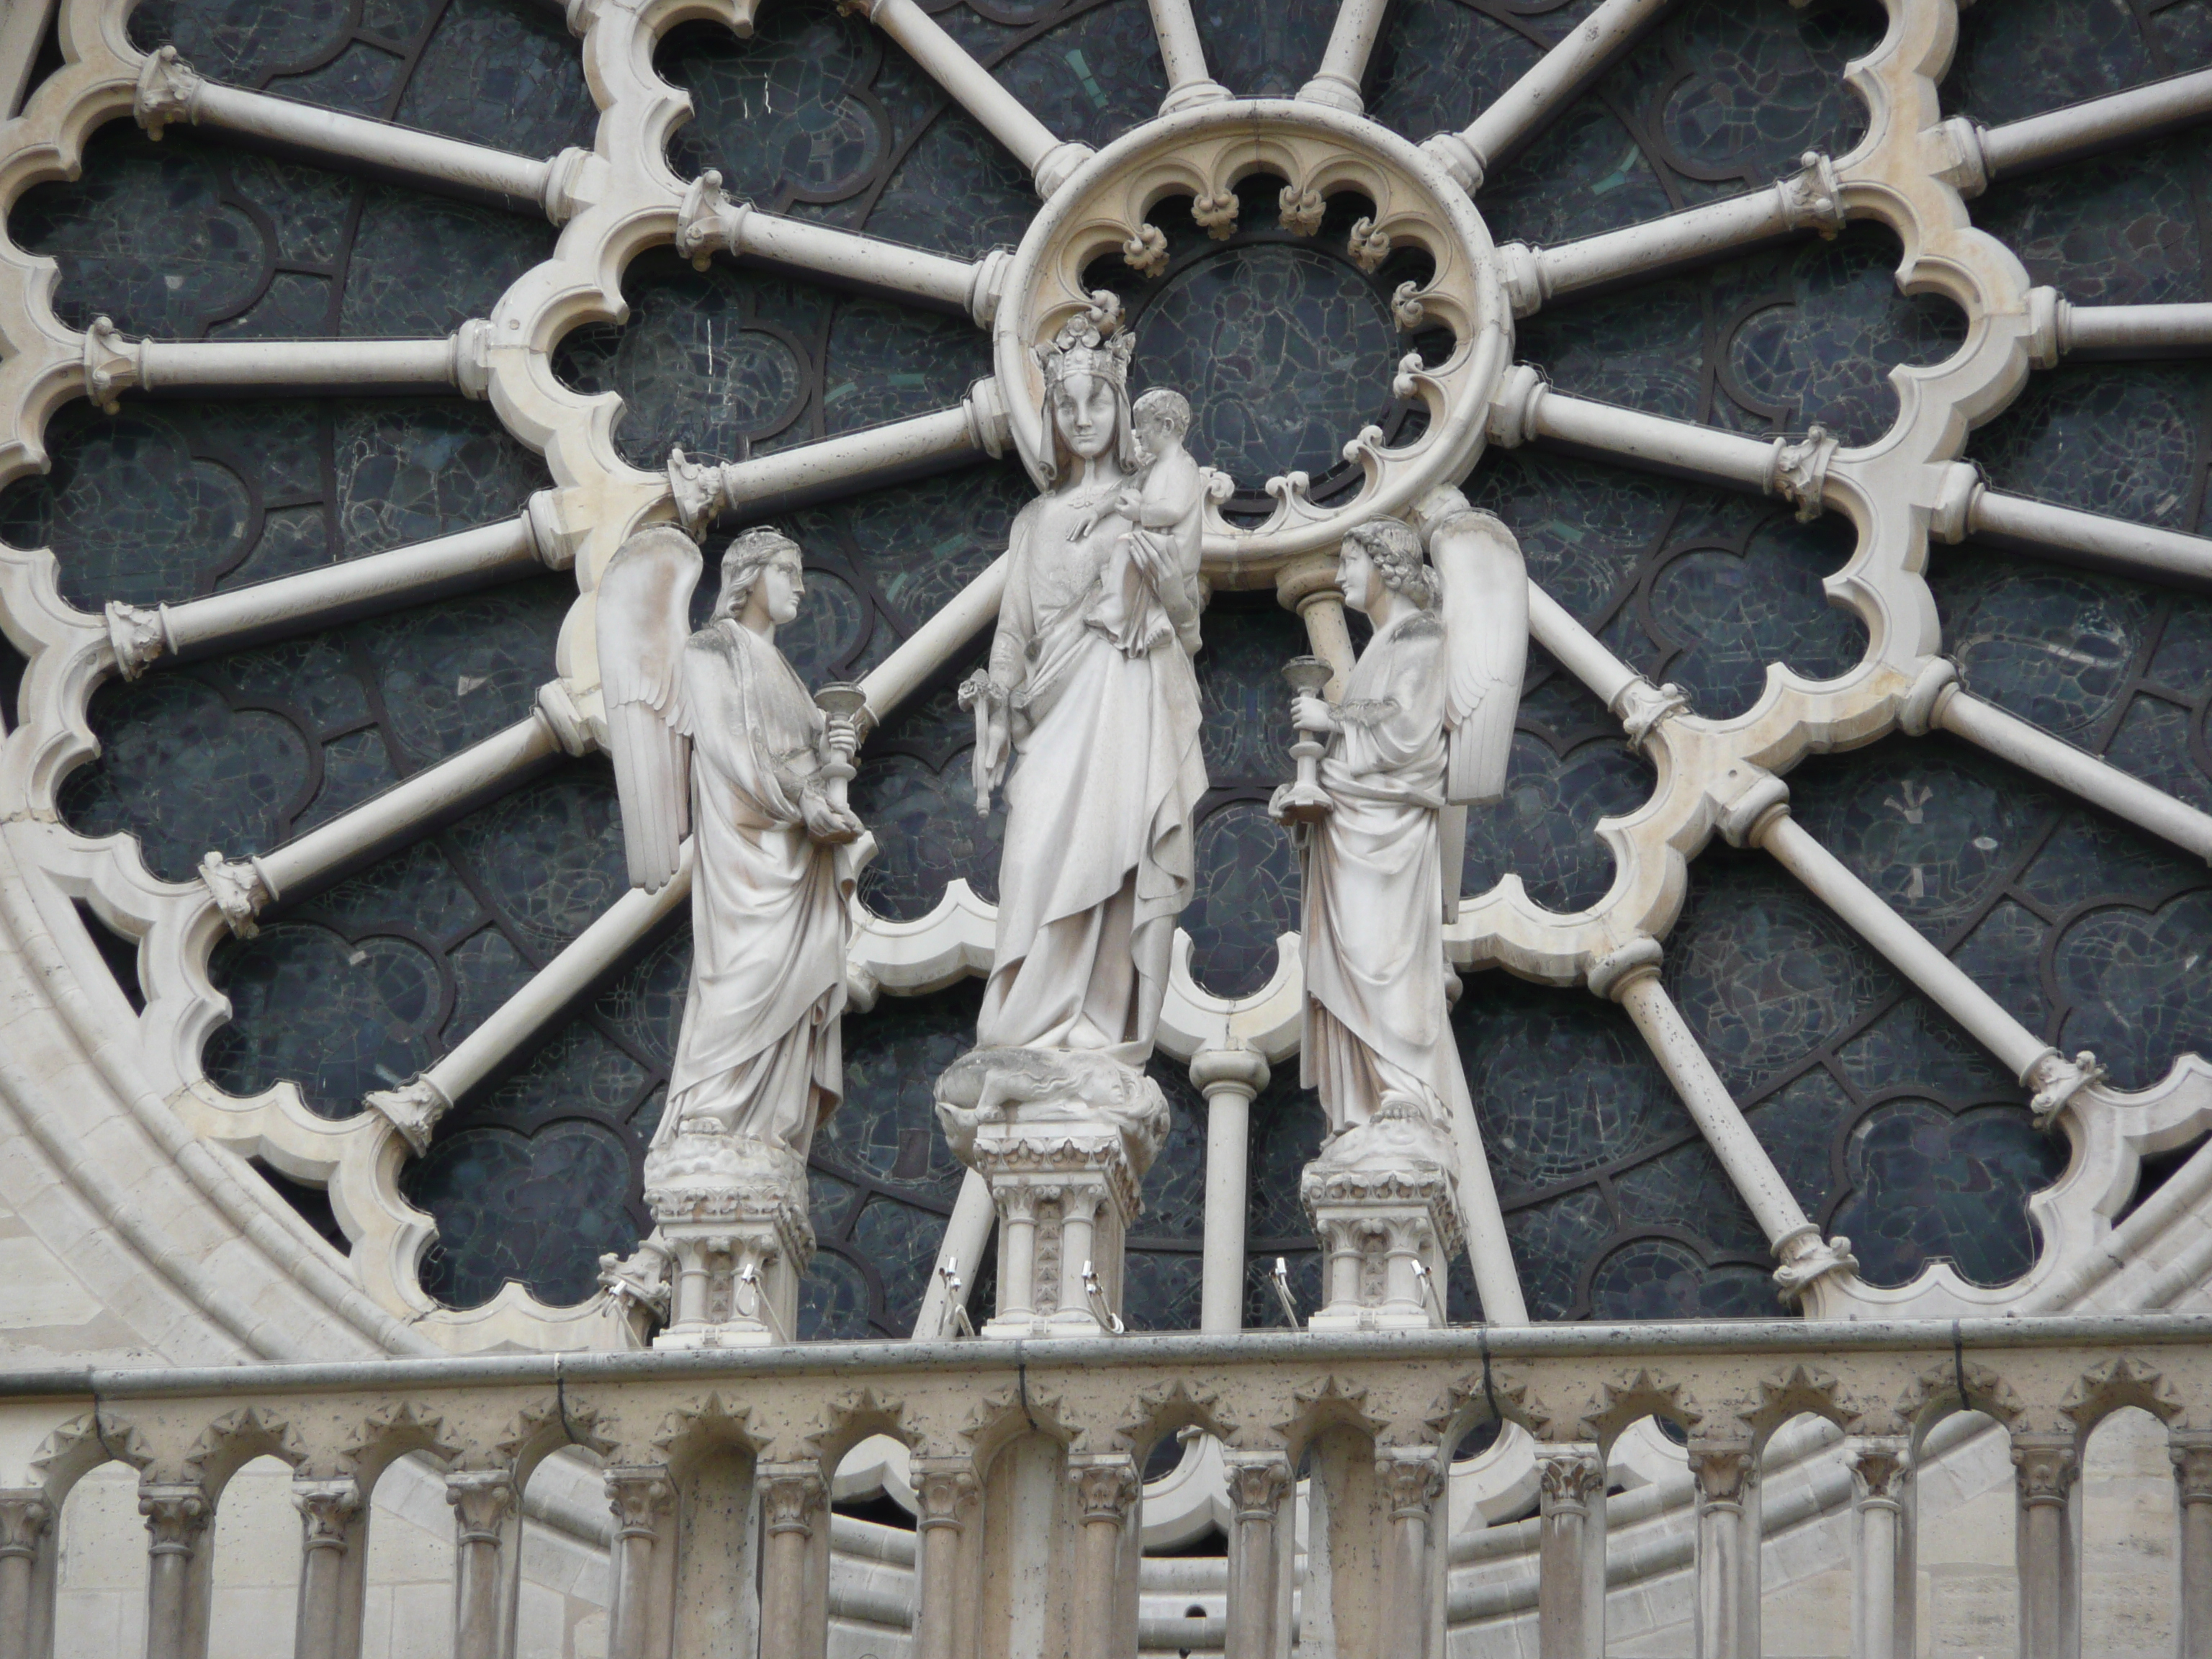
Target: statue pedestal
1064 1139
1382 1197
732 1219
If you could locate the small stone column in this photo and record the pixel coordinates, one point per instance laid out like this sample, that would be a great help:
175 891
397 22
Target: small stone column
178 1515
945 1491
1411 1482
1307 585
27 1522
483 1501
732 1215
1260 1487
329 1512
644 1499
1879 1471
1728 1577
1106 1489
792 1500
1383 1197
1064 1139
2192 1452
2044 1469
1571 1562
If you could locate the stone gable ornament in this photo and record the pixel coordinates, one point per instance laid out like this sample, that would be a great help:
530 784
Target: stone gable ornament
723 762
1089 715
1424 725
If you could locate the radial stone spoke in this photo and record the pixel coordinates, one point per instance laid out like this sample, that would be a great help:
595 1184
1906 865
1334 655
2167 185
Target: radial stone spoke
710 218
1529 104
2138 548
336 593
1344 64
243 888
1630 976
868 458
1810 198
1635 701
1183 54
960 1252
2102 333
2080 129
114 364
171 91
1940 702
1760 816
1526 408
416 1107
1049 159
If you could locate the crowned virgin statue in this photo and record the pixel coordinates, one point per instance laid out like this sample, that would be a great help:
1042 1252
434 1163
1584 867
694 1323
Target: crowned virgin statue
1091 696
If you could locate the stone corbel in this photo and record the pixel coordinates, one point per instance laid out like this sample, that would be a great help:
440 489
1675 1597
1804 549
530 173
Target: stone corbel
168 90
1800 470
1641 706
140 637
2056 1080
699 492
710 217
240 889
113 364
413 1109
1215 212
1805 1256
1368 247
1146 252
1302 209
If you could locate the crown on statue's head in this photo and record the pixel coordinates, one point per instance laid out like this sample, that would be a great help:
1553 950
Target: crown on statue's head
1092 342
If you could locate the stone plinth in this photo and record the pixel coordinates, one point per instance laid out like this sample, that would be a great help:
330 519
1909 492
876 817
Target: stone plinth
1064 1139
732 1219
1384 1196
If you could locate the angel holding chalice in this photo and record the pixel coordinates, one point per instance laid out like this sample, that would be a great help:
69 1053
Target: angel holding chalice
716 736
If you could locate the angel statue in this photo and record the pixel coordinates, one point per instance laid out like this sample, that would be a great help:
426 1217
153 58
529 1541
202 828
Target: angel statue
715 737
1425 723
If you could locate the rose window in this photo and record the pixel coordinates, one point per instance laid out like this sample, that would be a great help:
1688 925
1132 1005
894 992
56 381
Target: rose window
1839 394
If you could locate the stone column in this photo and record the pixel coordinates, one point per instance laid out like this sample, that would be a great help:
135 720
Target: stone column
2192 1452
1259 1486
2044 1469
1879 1471
329 1512
1728 1550
1106 1489
1229 1079
1411 1479
1382 1197
1307 586
643 1500
178 1515
26 1521
792 1501
944 1490
1184 56
483 1501
1063 1138
1571 1562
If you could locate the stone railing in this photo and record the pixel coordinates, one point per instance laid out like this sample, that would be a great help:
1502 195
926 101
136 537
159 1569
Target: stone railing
1026 1465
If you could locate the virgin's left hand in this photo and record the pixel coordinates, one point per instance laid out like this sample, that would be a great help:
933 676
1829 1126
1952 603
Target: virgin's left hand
1312 713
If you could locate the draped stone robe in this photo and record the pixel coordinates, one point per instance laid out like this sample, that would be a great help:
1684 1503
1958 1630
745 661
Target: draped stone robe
759 1048
1375 1016
1107 774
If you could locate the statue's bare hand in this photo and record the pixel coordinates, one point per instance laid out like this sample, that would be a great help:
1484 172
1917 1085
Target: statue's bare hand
1312 713
826 822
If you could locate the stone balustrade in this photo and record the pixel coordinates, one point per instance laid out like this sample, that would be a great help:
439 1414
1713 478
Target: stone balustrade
1027 1464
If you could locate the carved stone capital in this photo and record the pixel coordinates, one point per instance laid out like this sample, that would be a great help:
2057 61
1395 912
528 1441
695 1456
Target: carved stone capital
177 1516
1612 974
240 888
138 637
1240 1071
1641 706
641 1497
1411 1478
1568 1478
710 218
2056 1080
790 1497
1058 165
413 1109
1878 1466
1935 684
698 491
113 364
2191 1456
1812 197
1457 158
1106 1489
327 1509
1800 473
26 1517
472 348
1723 1472
1805 1256
480 1499
945 1492
168 91
2044 1469
1257 1486
1750 798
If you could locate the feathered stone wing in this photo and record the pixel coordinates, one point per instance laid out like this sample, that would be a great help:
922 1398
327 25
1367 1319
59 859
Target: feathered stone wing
1485 603
644 619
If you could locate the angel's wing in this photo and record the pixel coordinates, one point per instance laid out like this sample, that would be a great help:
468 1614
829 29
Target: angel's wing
644 619
1485 615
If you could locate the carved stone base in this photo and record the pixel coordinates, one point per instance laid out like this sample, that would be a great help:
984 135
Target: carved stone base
1383 1197
1064 1139
732 1215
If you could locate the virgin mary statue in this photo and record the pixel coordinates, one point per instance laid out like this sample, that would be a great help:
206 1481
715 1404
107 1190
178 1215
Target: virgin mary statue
1100 720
